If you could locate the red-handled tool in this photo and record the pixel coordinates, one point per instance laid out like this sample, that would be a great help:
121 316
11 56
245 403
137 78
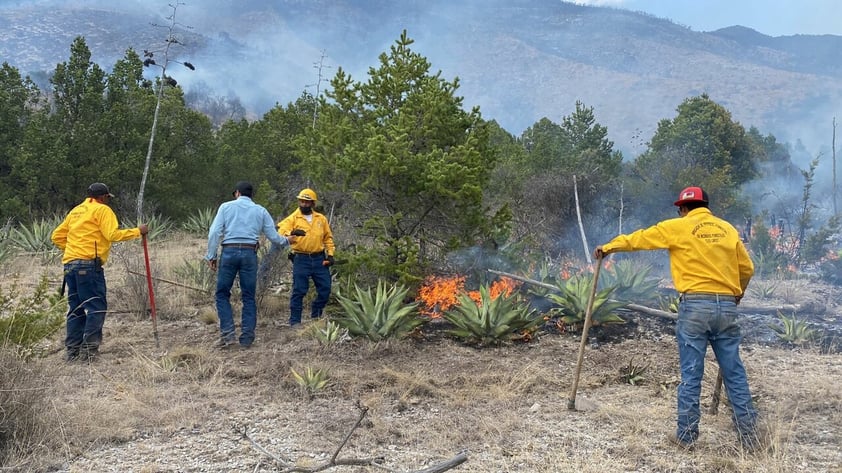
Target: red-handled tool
151 293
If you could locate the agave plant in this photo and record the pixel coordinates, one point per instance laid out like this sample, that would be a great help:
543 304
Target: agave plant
310 380
36 237
199 223
378 315
328 333
158 226
630 280
573 302
491 320
794 331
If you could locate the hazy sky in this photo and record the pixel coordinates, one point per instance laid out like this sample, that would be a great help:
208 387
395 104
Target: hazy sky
770 17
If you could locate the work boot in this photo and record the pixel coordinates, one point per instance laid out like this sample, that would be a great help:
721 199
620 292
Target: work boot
89 353
682 444
72 354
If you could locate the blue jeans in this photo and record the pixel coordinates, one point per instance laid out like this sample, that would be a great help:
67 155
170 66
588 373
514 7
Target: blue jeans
87 303
701 322
233 261
305 267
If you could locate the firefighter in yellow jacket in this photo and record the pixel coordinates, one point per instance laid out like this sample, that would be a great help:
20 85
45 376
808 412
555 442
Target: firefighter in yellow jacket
312 255
85 237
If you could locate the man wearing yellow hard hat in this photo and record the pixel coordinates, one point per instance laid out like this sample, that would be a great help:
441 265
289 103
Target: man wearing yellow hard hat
312 255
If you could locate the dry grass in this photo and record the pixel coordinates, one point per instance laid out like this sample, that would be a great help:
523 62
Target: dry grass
175 408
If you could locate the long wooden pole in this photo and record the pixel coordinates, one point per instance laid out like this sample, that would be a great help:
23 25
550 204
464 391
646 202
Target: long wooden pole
571 401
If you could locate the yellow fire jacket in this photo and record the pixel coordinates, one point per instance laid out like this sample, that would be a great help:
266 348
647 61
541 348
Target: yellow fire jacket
319 237
88 231
706 253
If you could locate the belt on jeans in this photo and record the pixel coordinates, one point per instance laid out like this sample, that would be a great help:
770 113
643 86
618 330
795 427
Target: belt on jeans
251 246
302 253
704 296
81 262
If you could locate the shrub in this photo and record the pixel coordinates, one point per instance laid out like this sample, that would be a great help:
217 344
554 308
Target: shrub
27 429
26 321
491 320
380 315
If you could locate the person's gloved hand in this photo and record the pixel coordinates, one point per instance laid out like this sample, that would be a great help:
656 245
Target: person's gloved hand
328 261
298 232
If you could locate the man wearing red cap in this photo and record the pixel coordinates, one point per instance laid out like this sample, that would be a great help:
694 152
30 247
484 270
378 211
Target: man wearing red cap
710 269
85 237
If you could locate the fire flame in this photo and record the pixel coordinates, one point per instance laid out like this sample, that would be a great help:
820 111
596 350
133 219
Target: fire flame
439 294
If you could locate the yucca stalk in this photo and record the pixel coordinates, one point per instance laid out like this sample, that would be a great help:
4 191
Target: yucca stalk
379 315
491 320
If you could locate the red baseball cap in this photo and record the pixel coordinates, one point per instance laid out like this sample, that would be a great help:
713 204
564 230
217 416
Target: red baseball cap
691 194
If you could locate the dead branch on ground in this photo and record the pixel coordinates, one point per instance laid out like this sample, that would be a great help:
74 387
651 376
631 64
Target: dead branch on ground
289 467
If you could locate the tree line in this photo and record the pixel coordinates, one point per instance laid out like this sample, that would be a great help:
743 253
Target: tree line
413 175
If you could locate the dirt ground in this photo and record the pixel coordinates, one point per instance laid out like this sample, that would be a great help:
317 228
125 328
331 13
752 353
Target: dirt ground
185 406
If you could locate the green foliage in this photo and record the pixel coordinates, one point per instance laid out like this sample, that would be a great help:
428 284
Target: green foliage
573 299
35 238
26 320
328 333
196 274
669 303
816 246
491 320
554 154
634 374
159 226
7 249
792 330
310 380
701 146
767 258
406 159
378 315
763 290
199 222
630 280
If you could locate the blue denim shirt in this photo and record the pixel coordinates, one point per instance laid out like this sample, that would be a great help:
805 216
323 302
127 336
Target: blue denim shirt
241 221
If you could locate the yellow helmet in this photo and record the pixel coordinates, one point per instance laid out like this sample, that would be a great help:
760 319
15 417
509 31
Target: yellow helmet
307 194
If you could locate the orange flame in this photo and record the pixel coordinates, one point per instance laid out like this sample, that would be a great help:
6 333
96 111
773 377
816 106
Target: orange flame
439 294
503 285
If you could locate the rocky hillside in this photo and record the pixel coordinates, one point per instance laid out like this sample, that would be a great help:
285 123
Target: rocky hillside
519 60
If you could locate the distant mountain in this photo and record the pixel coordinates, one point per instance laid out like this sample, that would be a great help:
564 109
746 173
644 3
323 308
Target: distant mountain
519 60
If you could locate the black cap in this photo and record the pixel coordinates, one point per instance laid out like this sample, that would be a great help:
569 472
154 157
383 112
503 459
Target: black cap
97 189
244 188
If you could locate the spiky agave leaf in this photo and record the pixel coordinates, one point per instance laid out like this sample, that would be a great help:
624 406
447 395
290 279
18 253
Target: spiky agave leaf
573 302
491 320
379 315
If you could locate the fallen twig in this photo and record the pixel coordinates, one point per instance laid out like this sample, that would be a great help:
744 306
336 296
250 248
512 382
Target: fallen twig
170 282
288 467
